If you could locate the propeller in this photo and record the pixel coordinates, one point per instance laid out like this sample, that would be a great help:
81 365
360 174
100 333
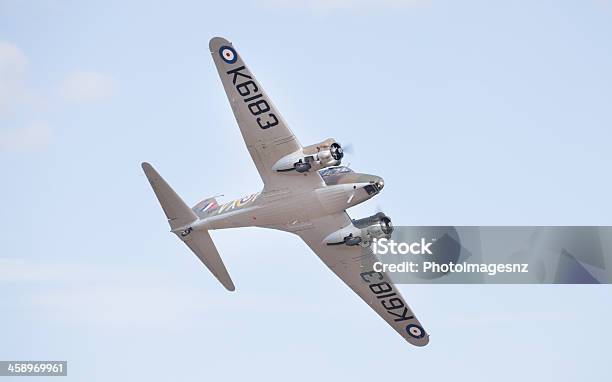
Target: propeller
387 227
348 148
337 152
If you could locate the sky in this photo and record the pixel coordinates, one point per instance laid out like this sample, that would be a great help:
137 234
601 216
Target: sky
474 113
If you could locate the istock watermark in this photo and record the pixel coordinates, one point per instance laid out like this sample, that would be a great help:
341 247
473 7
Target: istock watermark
493 255
490 269
389 246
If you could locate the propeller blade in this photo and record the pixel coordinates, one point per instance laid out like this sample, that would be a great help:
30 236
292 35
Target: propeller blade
348 149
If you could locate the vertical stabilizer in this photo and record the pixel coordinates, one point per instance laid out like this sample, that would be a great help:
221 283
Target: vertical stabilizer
180 217
177 212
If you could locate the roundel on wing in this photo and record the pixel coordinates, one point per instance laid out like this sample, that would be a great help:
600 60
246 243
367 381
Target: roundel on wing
228 54
415 331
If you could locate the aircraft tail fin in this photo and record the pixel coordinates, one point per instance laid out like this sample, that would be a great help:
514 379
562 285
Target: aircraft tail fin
177 212
180 217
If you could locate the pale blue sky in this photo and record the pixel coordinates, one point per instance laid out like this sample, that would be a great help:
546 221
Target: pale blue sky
474 113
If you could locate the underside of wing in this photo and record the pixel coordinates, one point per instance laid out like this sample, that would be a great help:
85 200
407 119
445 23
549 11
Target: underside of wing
355 266
265 132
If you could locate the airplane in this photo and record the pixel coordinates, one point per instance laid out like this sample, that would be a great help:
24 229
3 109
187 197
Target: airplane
306 192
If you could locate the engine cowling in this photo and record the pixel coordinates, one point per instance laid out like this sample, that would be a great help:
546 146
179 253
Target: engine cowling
377 226
362 231
312 158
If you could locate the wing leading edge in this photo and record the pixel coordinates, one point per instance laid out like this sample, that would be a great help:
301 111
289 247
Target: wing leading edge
265 132
355 267
268 139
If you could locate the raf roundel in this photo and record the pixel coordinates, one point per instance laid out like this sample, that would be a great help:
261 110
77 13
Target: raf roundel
228 54
415 331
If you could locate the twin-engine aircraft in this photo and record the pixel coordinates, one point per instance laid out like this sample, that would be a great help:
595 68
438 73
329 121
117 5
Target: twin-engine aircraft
306 192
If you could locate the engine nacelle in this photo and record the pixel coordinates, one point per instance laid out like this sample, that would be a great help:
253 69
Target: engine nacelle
311 158
362 231
377 226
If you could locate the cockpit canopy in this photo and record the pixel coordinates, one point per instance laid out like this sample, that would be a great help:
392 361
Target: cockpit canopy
334 171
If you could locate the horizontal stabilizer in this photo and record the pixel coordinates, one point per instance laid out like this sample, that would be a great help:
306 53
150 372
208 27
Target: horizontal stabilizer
202 245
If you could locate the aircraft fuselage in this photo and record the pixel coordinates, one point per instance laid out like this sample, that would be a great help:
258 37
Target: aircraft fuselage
289 210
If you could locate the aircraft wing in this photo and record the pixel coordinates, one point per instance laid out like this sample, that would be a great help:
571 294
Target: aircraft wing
355 267
265 132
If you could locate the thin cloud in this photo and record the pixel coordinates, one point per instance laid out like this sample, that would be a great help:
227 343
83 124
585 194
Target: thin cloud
13 65
33 137
14 96
329 6
74 293
87 86
115 306
121 297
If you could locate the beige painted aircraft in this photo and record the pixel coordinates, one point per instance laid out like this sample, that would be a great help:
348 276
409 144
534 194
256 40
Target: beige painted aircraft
306 192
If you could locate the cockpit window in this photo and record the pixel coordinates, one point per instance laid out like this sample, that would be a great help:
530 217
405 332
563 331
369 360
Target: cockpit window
334 170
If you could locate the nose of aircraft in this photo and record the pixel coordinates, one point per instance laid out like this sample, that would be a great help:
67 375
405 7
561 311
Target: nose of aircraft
376 183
